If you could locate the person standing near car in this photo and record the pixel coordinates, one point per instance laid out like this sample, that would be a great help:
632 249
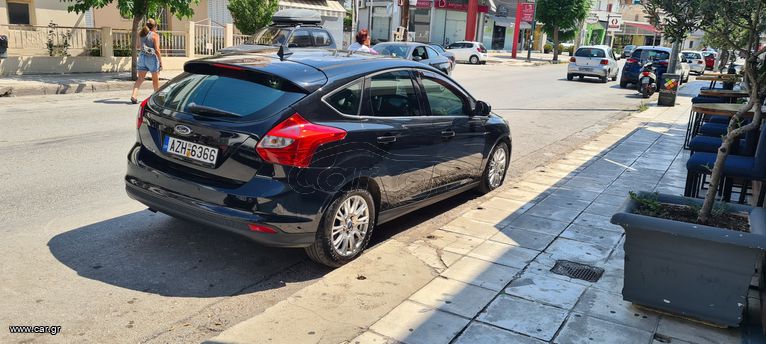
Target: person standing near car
362 43
149 58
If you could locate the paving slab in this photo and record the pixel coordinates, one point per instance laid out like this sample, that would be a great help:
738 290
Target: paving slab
545 289
610 306
370 337
696 332
479 333
524 238
558 213
598 221
467 226
491 216
481 273
510 206
452 242
538 224
453 296
504 254
413 323
580 329
592 235
576 251
525 317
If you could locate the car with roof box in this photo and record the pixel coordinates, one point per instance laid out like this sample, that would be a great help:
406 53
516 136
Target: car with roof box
311 148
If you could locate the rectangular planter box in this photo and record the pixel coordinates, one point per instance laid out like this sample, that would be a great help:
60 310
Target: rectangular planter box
691 270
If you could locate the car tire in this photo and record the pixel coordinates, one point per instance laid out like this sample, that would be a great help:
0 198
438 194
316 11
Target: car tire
492 177
623 84
702 72
603 79
473 59
324 251
570 77
614 77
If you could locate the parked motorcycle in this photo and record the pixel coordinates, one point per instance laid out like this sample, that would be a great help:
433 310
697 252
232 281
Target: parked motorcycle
647 80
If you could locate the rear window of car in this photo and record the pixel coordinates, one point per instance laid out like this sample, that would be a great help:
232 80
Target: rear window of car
257 97
590 52
437 48
690 55
647 54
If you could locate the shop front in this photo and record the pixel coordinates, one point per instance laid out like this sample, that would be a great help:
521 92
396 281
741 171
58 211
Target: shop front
449 21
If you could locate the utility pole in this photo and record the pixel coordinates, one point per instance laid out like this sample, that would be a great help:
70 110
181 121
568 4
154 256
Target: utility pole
531 36
405 18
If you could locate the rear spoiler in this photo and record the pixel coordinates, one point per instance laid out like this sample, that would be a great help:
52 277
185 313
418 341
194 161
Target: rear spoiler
254 71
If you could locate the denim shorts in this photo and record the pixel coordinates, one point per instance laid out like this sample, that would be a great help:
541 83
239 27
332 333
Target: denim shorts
148 63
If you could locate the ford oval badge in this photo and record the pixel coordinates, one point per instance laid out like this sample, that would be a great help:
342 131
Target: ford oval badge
182 130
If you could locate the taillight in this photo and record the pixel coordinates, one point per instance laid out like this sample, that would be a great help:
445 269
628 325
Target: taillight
294 141
572 59
646 73
261 228
631 60
664 63
141 108
604 62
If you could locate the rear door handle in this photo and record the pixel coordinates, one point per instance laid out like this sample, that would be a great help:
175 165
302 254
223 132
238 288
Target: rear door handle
448 133
386 139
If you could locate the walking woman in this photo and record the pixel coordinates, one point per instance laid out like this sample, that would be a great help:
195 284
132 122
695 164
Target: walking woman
149 58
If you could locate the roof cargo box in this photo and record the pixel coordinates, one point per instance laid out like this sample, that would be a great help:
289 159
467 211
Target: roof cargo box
296 16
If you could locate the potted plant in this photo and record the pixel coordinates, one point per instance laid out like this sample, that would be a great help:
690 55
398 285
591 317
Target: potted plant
697 257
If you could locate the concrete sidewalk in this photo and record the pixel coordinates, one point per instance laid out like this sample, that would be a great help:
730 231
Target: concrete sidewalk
28 85
486 276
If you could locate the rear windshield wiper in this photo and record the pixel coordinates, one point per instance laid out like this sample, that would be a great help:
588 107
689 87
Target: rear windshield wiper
210 111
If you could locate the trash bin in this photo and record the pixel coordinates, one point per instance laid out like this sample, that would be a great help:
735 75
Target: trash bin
668 87
3 46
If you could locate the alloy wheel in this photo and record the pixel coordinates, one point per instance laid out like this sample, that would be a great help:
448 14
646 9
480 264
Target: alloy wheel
350 226
497 166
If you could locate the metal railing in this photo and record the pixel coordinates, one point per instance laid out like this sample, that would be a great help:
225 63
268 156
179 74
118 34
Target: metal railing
53 40
243 39
208 39
172 43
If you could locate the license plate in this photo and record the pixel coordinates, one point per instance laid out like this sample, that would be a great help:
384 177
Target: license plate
190 150
644 80
586 69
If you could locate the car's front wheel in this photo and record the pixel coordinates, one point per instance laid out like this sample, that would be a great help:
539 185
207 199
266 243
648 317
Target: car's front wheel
494 172
345 229
474 59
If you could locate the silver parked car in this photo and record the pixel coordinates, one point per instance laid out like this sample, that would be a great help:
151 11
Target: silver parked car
695 60
417 52
593 61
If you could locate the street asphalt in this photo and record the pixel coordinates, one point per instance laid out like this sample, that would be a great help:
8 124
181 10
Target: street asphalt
77 252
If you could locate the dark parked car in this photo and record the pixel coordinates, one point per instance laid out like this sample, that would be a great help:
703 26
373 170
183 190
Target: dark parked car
627 50
296 28
311 150
417 52
642 54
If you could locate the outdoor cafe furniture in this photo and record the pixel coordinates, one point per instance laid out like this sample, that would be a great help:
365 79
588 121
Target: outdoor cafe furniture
741 168
716 78
717 124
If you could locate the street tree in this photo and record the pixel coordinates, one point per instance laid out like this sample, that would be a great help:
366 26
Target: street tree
252 15
676 19
561 19
750 17
725 36
138 10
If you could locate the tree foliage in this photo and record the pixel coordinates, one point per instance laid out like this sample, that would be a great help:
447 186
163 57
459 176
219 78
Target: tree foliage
138 10
561 19
251 15
675 18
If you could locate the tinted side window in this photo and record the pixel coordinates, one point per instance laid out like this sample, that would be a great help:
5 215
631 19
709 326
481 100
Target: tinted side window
636 54
393 94
347 100
321 38
455 46
431 52
420 52
442 99
300 39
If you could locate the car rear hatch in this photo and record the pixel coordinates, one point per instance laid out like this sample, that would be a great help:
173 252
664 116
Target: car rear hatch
589 58
204 125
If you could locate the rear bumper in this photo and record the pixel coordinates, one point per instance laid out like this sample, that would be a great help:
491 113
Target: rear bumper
295 216
595 71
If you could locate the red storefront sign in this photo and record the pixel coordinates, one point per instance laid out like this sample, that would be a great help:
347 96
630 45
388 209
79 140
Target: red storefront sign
446 5
527 12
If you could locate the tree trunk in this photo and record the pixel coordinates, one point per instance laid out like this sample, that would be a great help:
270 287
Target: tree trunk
674 57
723 61
133 48
556 43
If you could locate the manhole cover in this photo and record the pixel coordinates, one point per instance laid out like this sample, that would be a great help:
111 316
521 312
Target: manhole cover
577 270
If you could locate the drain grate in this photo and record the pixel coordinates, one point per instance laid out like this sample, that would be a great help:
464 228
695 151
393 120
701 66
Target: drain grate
577 270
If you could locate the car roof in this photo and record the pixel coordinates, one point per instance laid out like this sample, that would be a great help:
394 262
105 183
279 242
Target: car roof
654 47
691 51
310 69
595 46
465 42
401 43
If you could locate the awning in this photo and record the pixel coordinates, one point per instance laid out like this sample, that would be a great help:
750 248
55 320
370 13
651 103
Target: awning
634 28
503 21
328 8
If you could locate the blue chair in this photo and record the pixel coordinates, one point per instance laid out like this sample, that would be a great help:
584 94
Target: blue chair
713 129
745 168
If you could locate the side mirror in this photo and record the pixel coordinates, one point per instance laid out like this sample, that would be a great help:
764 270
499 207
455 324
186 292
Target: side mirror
417 58
482 109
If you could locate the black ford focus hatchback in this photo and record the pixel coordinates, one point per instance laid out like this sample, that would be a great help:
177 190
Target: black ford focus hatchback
313 149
